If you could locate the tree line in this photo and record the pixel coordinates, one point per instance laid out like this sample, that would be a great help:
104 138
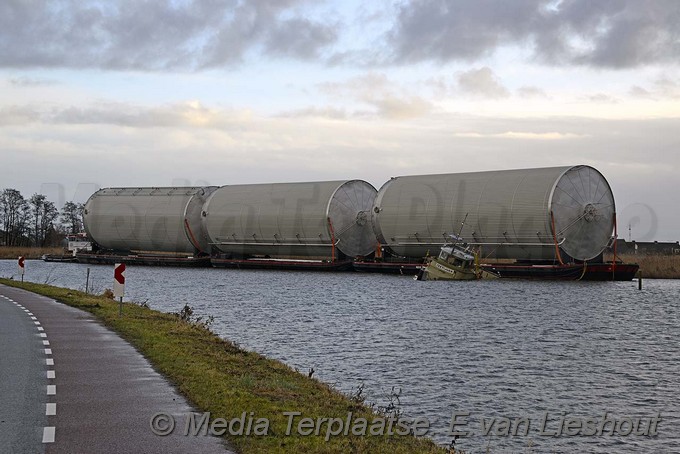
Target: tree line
36 221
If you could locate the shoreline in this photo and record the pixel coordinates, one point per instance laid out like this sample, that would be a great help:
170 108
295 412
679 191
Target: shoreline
217 376
651 266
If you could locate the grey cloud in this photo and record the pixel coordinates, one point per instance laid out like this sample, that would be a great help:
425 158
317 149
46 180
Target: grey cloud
466 29
604 33
401 108
18 115
482 82
529 91
640 92
662 88
667 88
129 34
299 38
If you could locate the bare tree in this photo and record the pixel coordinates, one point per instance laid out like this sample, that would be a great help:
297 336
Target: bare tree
43 215
72 217
49 217
14 217
37 202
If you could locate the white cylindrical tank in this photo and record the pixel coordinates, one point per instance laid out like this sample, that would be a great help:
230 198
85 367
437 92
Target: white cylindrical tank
520 214
292 219
148 219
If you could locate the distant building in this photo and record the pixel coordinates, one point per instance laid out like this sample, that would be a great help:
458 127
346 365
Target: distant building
646 247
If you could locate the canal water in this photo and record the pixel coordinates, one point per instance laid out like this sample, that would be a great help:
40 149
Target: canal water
604 354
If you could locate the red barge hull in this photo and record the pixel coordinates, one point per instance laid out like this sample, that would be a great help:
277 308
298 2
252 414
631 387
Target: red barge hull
570 272
293 265
144 260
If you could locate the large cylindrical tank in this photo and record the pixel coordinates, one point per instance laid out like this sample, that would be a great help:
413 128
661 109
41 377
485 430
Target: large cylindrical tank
519 214
292 219
148 219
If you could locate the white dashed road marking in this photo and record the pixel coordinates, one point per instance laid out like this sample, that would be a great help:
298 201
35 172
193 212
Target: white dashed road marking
48 435
50 407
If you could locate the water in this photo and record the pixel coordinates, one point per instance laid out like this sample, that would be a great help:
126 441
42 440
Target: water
491 348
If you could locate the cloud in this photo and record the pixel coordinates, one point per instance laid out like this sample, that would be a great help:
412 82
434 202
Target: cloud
199 34
531 92
481 82
464 30
18 115
299 38
660 89
665 87
401 108
614 34
182 115
521 135
387 99
639 92
600 98
25 81
330 113
157 35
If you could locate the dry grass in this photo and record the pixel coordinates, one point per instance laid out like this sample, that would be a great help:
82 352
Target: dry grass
653 266
12 252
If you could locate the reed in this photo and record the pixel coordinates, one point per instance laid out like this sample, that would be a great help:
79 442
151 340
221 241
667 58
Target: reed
653 266
13 252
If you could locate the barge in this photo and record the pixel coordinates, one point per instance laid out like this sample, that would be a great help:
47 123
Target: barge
282 264
568 272
145 260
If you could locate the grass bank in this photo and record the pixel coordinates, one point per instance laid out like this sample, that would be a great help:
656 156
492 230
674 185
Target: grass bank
13 252
219 377
654 266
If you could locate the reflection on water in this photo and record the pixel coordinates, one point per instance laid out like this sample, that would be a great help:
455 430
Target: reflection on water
490 348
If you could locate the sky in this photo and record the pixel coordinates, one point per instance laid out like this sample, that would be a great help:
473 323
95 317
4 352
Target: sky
193 92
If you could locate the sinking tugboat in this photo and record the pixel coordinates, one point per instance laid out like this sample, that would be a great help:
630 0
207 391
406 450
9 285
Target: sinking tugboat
456 262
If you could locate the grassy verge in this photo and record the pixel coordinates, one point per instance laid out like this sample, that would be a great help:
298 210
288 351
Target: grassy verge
12 252
654 266
218 377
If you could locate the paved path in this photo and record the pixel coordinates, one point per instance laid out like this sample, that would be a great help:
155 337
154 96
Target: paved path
70 385
23 380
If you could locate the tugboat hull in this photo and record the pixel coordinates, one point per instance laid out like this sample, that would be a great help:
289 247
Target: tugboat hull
438 270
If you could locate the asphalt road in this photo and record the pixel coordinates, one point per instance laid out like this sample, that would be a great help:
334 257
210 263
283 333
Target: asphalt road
70 385
23 380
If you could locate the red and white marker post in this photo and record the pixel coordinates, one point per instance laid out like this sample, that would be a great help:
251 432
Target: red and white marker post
119 285
22 268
